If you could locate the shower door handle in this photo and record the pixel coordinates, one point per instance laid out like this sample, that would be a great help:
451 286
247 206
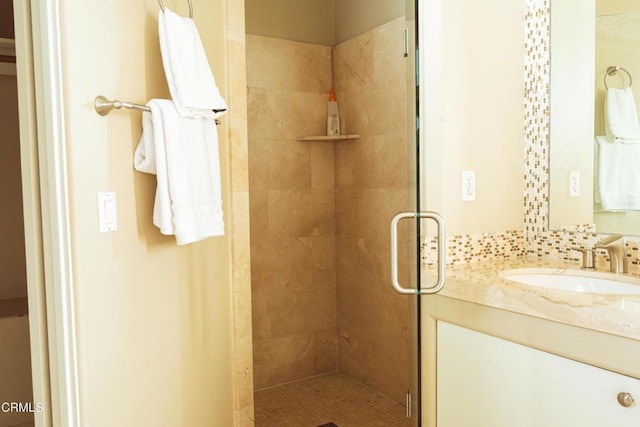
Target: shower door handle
394 252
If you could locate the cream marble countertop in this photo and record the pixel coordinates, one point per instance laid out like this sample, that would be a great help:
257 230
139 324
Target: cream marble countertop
481 283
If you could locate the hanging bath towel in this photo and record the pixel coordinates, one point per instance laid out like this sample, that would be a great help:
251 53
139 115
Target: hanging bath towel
183 153
621 117
191 82
618 175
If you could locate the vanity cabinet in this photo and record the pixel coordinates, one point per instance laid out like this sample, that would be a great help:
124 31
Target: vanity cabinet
487 381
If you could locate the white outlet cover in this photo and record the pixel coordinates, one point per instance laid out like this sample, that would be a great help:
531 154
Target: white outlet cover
574 184
468 186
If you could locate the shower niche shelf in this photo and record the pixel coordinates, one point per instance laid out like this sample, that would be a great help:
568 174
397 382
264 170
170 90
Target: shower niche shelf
325 138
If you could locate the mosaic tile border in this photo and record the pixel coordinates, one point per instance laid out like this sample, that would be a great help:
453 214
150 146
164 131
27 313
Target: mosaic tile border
466 248
536 121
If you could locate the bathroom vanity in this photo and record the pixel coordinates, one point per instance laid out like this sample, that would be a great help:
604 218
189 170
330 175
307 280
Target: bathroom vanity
514 354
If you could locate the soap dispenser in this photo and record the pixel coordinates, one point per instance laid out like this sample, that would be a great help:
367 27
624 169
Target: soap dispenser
333 116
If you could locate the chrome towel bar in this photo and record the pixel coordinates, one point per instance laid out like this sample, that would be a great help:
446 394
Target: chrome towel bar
104 106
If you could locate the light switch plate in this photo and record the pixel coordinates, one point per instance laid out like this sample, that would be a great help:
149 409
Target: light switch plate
107 212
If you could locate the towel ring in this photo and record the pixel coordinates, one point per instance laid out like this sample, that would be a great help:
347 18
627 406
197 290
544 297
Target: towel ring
190 7
612 70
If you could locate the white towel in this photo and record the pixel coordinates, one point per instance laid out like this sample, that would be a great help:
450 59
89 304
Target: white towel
191 82
183 153
618 174
621 117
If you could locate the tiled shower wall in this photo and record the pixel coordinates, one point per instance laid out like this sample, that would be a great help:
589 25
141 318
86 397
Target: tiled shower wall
371 187
318 235
292 204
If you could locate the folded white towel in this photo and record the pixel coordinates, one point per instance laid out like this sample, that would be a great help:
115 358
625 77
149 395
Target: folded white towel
183 153
621 117
191 82
618 175
627 140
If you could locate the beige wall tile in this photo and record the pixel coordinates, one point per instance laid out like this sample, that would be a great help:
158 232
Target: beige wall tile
259 162
281 263
281 64
265 122
284 359
238 83
305 193
353 62
371 187
372 162
301 213
323 251
239 153
322 165
292 211
367 212
301 311
238 139
304 113
378 325
235 16
389 63
279 164
241 242
282 114
258 216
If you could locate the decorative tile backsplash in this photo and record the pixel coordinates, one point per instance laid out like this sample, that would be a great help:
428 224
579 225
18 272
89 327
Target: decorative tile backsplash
535 239
467 248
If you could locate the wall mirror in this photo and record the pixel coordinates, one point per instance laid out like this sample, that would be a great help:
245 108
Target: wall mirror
594 172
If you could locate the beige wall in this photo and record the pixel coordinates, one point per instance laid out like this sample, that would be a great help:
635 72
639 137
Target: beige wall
572 110
371 186
13 280
154 321
609 7
292 211
310 21
326 22
475 119
355 17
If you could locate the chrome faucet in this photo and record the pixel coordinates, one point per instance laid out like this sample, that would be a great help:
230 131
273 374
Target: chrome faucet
588 258
616 248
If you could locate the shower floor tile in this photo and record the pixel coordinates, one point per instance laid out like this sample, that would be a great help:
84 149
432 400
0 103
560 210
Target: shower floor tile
325 400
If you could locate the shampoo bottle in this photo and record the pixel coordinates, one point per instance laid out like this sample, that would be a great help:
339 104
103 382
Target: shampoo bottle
333 117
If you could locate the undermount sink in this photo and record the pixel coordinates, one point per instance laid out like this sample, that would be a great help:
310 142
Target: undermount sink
574 281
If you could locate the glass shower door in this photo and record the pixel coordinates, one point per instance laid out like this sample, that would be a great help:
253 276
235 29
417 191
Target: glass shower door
408 228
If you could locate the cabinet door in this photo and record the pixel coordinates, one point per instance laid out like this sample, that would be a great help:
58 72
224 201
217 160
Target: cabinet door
487 381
